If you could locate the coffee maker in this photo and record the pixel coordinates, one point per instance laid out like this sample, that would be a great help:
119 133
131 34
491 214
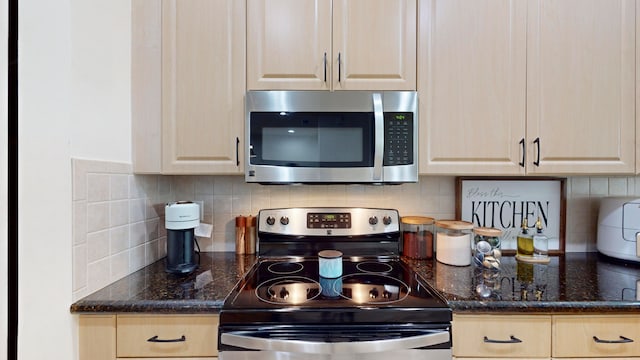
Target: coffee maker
181 219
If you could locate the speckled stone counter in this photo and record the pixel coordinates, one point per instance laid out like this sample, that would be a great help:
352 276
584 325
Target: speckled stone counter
153 290
573 283
576 282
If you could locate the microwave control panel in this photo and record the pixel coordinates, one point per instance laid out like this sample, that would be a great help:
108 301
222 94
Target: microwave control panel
398 138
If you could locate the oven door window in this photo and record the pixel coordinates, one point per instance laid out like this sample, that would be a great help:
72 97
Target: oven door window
305 139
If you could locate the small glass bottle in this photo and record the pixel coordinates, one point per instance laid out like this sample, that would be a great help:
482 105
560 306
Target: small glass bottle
525 242
540 242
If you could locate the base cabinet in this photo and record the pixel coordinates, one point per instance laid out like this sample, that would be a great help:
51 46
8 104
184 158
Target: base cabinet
148 336
593 336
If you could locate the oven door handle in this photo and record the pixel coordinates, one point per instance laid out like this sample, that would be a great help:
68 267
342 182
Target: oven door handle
239 339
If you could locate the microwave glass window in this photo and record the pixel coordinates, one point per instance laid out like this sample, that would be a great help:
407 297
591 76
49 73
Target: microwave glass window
312 144
308 139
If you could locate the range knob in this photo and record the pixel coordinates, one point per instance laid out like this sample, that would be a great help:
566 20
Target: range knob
373 293
373 220
386 220
284 220
271 220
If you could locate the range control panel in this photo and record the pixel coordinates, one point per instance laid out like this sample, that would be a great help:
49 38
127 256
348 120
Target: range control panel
329 220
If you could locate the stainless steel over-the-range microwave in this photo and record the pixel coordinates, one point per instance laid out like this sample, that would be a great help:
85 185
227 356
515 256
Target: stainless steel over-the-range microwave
331 137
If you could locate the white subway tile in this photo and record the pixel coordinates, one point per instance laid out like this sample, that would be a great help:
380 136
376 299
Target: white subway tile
137 210
119 265
579 186
137 234
98 274
119 186
97 216
79 221
119 239
97 245
119 213
79 267
599 186
98 188
617 186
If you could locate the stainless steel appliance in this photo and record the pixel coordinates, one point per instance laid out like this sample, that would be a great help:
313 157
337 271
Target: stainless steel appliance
331 137
378 308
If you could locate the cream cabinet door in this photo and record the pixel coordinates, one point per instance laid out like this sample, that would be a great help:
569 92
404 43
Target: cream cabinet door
374 44
501 336
202 86
581 79
472 74
331 45
288 44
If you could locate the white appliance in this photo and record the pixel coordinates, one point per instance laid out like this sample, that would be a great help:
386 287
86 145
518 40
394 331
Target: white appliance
619 227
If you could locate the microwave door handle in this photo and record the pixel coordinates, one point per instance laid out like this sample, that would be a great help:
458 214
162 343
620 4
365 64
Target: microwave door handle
378 115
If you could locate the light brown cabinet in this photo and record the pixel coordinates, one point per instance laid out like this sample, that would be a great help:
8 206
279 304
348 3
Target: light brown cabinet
331 44
514 87
544 336
502 336
188 86
138 336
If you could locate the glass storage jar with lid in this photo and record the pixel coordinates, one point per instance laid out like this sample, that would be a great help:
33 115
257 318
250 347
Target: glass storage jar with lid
417 237
486 248
453 242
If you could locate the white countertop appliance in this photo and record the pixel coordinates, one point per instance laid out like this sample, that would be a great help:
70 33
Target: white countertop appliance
181 219
619 227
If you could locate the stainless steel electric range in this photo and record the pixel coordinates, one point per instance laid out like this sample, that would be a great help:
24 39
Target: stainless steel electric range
367 305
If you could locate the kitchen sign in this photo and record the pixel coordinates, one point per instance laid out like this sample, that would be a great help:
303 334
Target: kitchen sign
504 202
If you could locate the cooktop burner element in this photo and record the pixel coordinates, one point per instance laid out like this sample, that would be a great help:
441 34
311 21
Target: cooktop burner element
292 290
373 289
374 267
285 268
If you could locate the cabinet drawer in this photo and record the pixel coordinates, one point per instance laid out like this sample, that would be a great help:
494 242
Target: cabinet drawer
147 335
496 336
573 336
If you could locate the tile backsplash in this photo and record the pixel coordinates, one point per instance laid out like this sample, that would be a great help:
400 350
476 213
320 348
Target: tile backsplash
118 217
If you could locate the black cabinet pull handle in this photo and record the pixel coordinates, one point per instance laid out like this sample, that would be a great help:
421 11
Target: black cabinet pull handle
523 154
156 340
339 67
325 67
512 340
621 341
237 151
537 142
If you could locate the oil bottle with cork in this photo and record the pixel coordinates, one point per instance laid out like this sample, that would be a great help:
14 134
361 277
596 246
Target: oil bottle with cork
532 248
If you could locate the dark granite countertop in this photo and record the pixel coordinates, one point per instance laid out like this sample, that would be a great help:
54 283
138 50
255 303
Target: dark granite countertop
575 282
572 283
152 290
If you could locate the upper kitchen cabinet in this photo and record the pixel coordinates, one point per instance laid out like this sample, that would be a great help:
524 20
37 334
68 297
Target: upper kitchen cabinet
514 87
472 83
581 80
331 44
188 84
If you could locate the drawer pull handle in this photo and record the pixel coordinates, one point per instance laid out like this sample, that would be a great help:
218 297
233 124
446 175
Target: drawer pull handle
621 341
512 340
156 340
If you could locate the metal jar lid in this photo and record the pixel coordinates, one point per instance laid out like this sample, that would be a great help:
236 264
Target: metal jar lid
417 220
454 224
487 231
